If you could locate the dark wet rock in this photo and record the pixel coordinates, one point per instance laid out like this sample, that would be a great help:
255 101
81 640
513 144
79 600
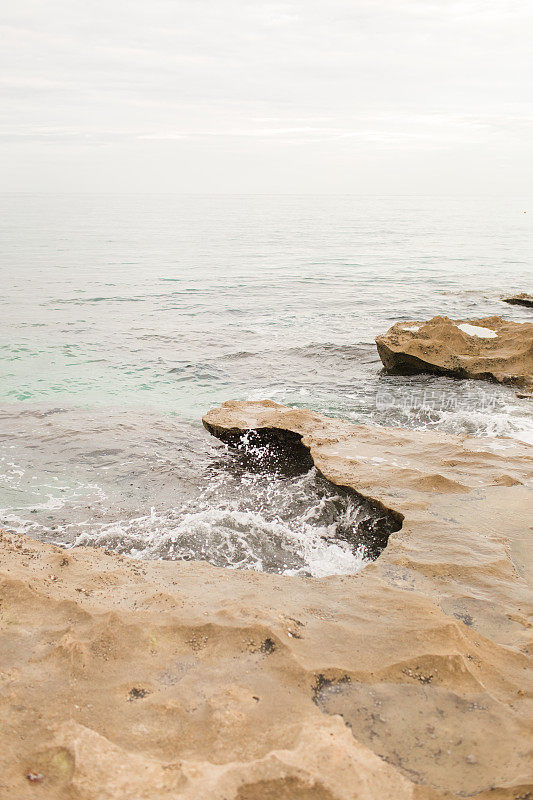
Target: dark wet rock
521 299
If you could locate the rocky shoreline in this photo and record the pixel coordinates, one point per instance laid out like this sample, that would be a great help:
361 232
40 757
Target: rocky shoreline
137 679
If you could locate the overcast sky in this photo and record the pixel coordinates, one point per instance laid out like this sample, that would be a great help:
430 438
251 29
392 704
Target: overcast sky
358 96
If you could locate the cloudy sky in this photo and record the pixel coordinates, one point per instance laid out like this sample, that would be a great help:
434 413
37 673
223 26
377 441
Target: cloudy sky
359 96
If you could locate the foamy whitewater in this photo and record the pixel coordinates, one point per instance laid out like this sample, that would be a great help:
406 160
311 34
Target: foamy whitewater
124 319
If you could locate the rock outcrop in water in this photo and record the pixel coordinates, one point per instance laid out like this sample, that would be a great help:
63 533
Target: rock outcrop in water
407 681
521 299
489 348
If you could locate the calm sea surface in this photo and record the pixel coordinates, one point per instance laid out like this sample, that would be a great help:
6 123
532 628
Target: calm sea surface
124 319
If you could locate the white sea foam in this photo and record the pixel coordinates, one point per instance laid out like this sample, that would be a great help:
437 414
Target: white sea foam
268 524
461 409
229 537
248 520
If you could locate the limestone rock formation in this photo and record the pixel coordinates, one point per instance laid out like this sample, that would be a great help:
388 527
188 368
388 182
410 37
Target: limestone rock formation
407 681
489 348
521 299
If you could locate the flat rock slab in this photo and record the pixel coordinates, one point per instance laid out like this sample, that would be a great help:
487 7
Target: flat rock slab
490 348
168 680
521 299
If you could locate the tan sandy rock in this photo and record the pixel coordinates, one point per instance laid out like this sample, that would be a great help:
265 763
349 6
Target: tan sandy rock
123 679
489 348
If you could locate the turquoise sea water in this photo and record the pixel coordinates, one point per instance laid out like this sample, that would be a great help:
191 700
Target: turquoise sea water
132 316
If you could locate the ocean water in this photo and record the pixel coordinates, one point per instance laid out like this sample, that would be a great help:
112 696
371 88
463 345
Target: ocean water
124 319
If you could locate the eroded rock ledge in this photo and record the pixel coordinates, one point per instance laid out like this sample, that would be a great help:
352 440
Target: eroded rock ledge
489 348
407 681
